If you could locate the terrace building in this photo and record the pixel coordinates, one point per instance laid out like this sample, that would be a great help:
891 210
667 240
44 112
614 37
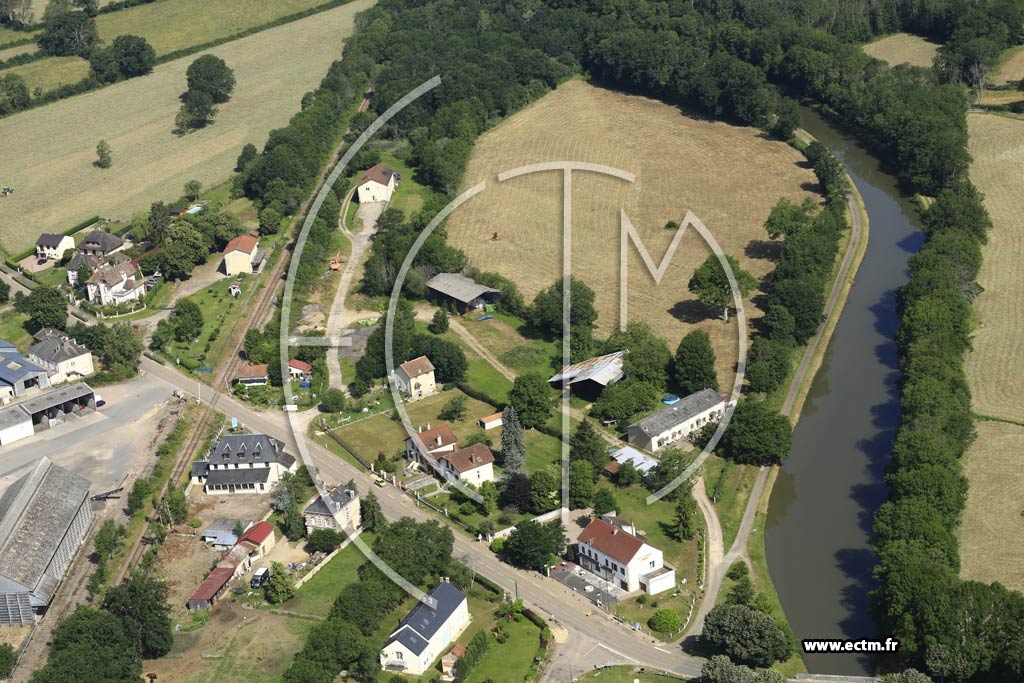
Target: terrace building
678 421
243 463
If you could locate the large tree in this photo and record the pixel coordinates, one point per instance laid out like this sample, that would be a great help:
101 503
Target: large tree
46 306
531 398
141 605
546 309
187 319
90 645
544 492
513 446
745 635
370 513
587 444
184 249
693 368
711 284
13 94
647 355
210 74
623 400
757 435
531 544
581 484
67 31
415 551
787 218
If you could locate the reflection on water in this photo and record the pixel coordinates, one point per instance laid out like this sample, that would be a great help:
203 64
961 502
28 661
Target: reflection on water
819 519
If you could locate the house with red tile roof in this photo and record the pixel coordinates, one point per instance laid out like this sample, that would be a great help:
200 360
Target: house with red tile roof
299 370
613 551
242 255
473 465
262 537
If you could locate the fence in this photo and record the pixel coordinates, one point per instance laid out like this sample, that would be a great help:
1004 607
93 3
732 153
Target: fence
540 519
327 558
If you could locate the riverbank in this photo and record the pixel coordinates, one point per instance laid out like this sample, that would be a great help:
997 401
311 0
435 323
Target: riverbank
751 546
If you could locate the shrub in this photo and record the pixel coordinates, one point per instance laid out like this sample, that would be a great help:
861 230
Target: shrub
665 621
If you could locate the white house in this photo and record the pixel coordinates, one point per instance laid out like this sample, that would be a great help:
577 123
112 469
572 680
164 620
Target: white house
677 421
299 370
51 247
610 550
473 465
243 463
337 509
415 378
115 284
377 184
63 358
426 632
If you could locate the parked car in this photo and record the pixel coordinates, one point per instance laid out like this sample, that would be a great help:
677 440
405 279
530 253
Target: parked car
261 576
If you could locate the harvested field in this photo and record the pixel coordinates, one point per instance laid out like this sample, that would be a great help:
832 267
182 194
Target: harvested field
730 177
1010 69
49 151
51 72
904 48
9 52
993 522
993 97
170 26
997 145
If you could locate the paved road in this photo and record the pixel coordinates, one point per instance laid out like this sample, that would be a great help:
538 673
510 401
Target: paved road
103 447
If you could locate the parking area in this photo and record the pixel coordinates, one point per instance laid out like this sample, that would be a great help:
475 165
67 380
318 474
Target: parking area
593 588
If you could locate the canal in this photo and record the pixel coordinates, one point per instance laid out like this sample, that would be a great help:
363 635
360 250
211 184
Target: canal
819 520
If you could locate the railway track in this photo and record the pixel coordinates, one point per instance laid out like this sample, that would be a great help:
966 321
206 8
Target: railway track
186 455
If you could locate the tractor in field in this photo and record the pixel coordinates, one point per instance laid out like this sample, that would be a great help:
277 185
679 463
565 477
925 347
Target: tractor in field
6 192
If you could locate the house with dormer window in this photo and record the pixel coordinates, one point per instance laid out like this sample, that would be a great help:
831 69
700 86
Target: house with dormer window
243 463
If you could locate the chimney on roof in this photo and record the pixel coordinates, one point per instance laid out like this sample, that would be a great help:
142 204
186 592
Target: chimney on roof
438 439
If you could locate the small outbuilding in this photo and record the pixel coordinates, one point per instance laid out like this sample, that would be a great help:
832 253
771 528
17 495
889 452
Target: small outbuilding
491 421
253 375
242 256
210 590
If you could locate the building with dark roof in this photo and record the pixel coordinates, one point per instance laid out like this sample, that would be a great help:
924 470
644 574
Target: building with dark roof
461 291
18 375
52 247
610 550
63 358
337 508
427 631
101 243
44 518
243 463
678 421
591 376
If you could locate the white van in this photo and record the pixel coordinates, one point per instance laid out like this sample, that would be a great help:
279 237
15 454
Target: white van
260 577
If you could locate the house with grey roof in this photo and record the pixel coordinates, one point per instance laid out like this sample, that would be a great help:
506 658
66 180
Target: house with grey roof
49 409
243 463
337 509
18 375
101 243
461 292
427 631
44 518
63 358
677 421
50 247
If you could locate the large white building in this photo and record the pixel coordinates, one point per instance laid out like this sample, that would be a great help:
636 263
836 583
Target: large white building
609 549
426 632
677 421
115 284
44 518
243 463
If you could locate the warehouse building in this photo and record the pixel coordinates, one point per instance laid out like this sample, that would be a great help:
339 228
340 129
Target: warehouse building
44 518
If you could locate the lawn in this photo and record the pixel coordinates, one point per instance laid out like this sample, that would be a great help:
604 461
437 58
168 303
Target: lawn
377 434
220 312
904 48
12 329
409 195
49 151
482 376
425 412
728 485
317 595
51 72
508 661
171 26
515 344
